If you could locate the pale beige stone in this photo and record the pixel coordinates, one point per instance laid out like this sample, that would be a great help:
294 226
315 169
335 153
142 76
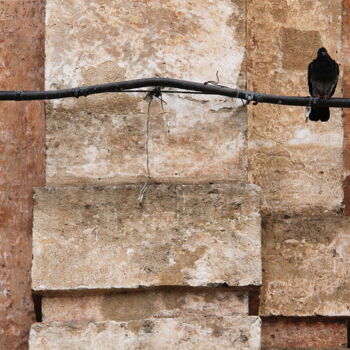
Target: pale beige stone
306 265
85 147
103 237
297 164
140 304
101 139
239 333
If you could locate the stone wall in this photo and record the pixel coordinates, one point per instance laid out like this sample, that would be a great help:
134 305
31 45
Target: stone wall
147 226
147 235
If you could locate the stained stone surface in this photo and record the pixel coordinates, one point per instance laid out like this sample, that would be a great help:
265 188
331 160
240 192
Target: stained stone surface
102 237
22 162
140 304
102 139
294 333
306 265
239 333
298 164
302 348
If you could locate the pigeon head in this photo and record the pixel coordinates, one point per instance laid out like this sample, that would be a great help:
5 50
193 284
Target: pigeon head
322 52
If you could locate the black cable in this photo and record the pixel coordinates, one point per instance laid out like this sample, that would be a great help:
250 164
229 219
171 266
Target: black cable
207 89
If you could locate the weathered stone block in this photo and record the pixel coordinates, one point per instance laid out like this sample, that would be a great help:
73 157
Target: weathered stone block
83 147
292 333
141 304
306 265
298 165
149 38
239 333
102 139
102 237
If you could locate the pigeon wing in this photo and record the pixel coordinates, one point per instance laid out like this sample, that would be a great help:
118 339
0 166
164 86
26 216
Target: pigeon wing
309 73
336 80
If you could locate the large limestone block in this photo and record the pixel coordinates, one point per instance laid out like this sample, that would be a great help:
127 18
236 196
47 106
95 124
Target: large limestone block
298 164
139 304
102 237
102 138
83 147
239 333
306 265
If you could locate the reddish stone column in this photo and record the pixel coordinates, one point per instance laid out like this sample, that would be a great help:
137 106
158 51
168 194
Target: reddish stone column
22 132
346 111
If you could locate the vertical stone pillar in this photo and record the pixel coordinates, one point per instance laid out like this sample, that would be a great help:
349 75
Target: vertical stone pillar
346 111
22 128
299 167
298 164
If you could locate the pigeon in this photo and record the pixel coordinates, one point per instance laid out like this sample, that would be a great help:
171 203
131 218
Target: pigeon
322 79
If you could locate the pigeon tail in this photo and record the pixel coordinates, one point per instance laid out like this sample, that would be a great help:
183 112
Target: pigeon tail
319 113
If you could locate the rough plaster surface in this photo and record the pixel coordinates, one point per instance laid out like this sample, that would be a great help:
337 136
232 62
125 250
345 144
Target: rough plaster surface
239 333
22 128
306 265
297 164
292 333
102 139
101 237
140 304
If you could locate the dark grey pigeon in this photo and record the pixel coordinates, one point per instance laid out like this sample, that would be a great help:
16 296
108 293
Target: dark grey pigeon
322 79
